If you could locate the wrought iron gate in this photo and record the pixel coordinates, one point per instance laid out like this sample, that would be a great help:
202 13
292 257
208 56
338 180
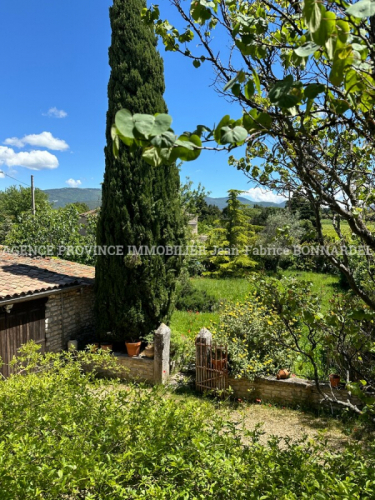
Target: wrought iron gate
211 365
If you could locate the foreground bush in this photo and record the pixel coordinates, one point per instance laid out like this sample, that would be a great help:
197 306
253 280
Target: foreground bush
64 434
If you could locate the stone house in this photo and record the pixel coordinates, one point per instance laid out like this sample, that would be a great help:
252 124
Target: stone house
47 300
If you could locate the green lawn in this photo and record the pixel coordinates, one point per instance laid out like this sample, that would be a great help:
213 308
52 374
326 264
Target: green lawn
324 285
188 324
224 289
328 229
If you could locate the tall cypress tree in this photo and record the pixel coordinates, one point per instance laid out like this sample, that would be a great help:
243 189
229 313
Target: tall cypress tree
140 203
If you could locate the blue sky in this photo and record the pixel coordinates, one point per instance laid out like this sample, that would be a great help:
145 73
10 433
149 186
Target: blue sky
53 97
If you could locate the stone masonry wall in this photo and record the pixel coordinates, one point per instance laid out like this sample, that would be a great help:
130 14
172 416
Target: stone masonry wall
68 314
142 369
292 391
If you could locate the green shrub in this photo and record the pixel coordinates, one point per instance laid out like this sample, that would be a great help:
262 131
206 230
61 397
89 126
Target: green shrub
245 329
190 298
63 434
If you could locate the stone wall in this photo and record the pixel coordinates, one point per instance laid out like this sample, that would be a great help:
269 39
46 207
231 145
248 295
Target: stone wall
292 391
142 369
68 315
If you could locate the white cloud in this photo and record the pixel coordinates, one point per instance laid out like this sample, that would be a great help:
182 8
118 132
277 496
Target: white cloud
14 141
72 183
43 140
259 194
34 160
56 113
2 175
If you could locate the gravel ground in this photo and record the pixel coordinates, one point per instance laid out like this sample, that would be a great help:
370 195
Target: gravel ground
294 424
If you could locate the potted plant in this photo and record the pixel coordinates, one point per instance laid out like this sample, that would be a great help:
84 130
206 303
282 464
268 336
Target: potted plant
283 374
149 349
219 358
73 344
334 380
106 346
133 347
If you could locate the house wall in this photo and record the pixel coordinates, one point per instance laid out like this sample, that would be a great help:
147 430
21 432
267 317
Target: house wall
68 315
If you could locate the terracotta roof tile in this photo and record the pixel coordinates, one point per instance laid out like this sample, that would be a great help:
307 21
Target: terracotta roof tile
21 276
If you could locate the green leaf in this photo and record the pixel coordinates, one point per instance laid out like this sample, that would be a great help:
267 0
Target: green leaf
236 135
201 129
256 81
162 124
188 149
337 72
287 101
196 63
124 123
230 84
165 140
326 28
236 89
313 90
116 141
362 9
343 30
306 49
280 89
143 125
340 106
256 121
152 156
249 89
199 13
223 122
312 12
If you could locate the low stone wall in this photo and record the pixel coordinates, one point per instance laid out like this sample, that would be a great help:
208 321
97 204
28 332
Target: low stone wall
142 369
137 368
69 314
292 391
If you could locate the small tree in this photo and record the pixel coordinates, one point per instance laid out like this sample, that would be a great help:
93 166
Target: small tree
231 240
283 230
54 232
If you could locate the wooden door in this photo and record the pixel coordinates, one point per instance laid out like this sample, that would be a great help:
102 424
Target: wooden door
25 321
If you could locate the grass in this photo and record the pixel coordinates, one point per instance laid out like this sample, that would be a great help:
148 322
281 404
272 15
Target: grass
185 325
328 229
188 324
234 290
324 285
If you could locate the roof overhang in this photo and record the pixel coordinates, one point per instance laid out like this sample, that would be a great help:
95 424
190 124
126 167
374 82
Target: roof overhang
40 295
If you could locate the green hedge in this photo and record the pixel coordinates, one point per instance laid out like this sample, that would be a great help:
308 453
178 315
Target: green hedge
64 434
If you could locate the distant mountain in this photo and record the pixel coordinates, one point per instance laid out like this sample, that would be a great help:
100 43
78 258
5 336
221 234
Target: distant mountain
63 196
93 198
222 202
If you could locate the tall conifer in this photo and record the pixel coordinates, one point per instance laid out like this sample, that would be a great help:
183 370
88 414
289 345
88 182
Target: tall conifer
140 203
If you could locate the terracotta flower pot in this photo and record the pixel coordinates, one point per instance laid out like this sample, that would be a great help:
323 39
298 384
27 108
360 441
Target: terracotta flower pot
219 364
283 374
106 347
334 380
133 348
